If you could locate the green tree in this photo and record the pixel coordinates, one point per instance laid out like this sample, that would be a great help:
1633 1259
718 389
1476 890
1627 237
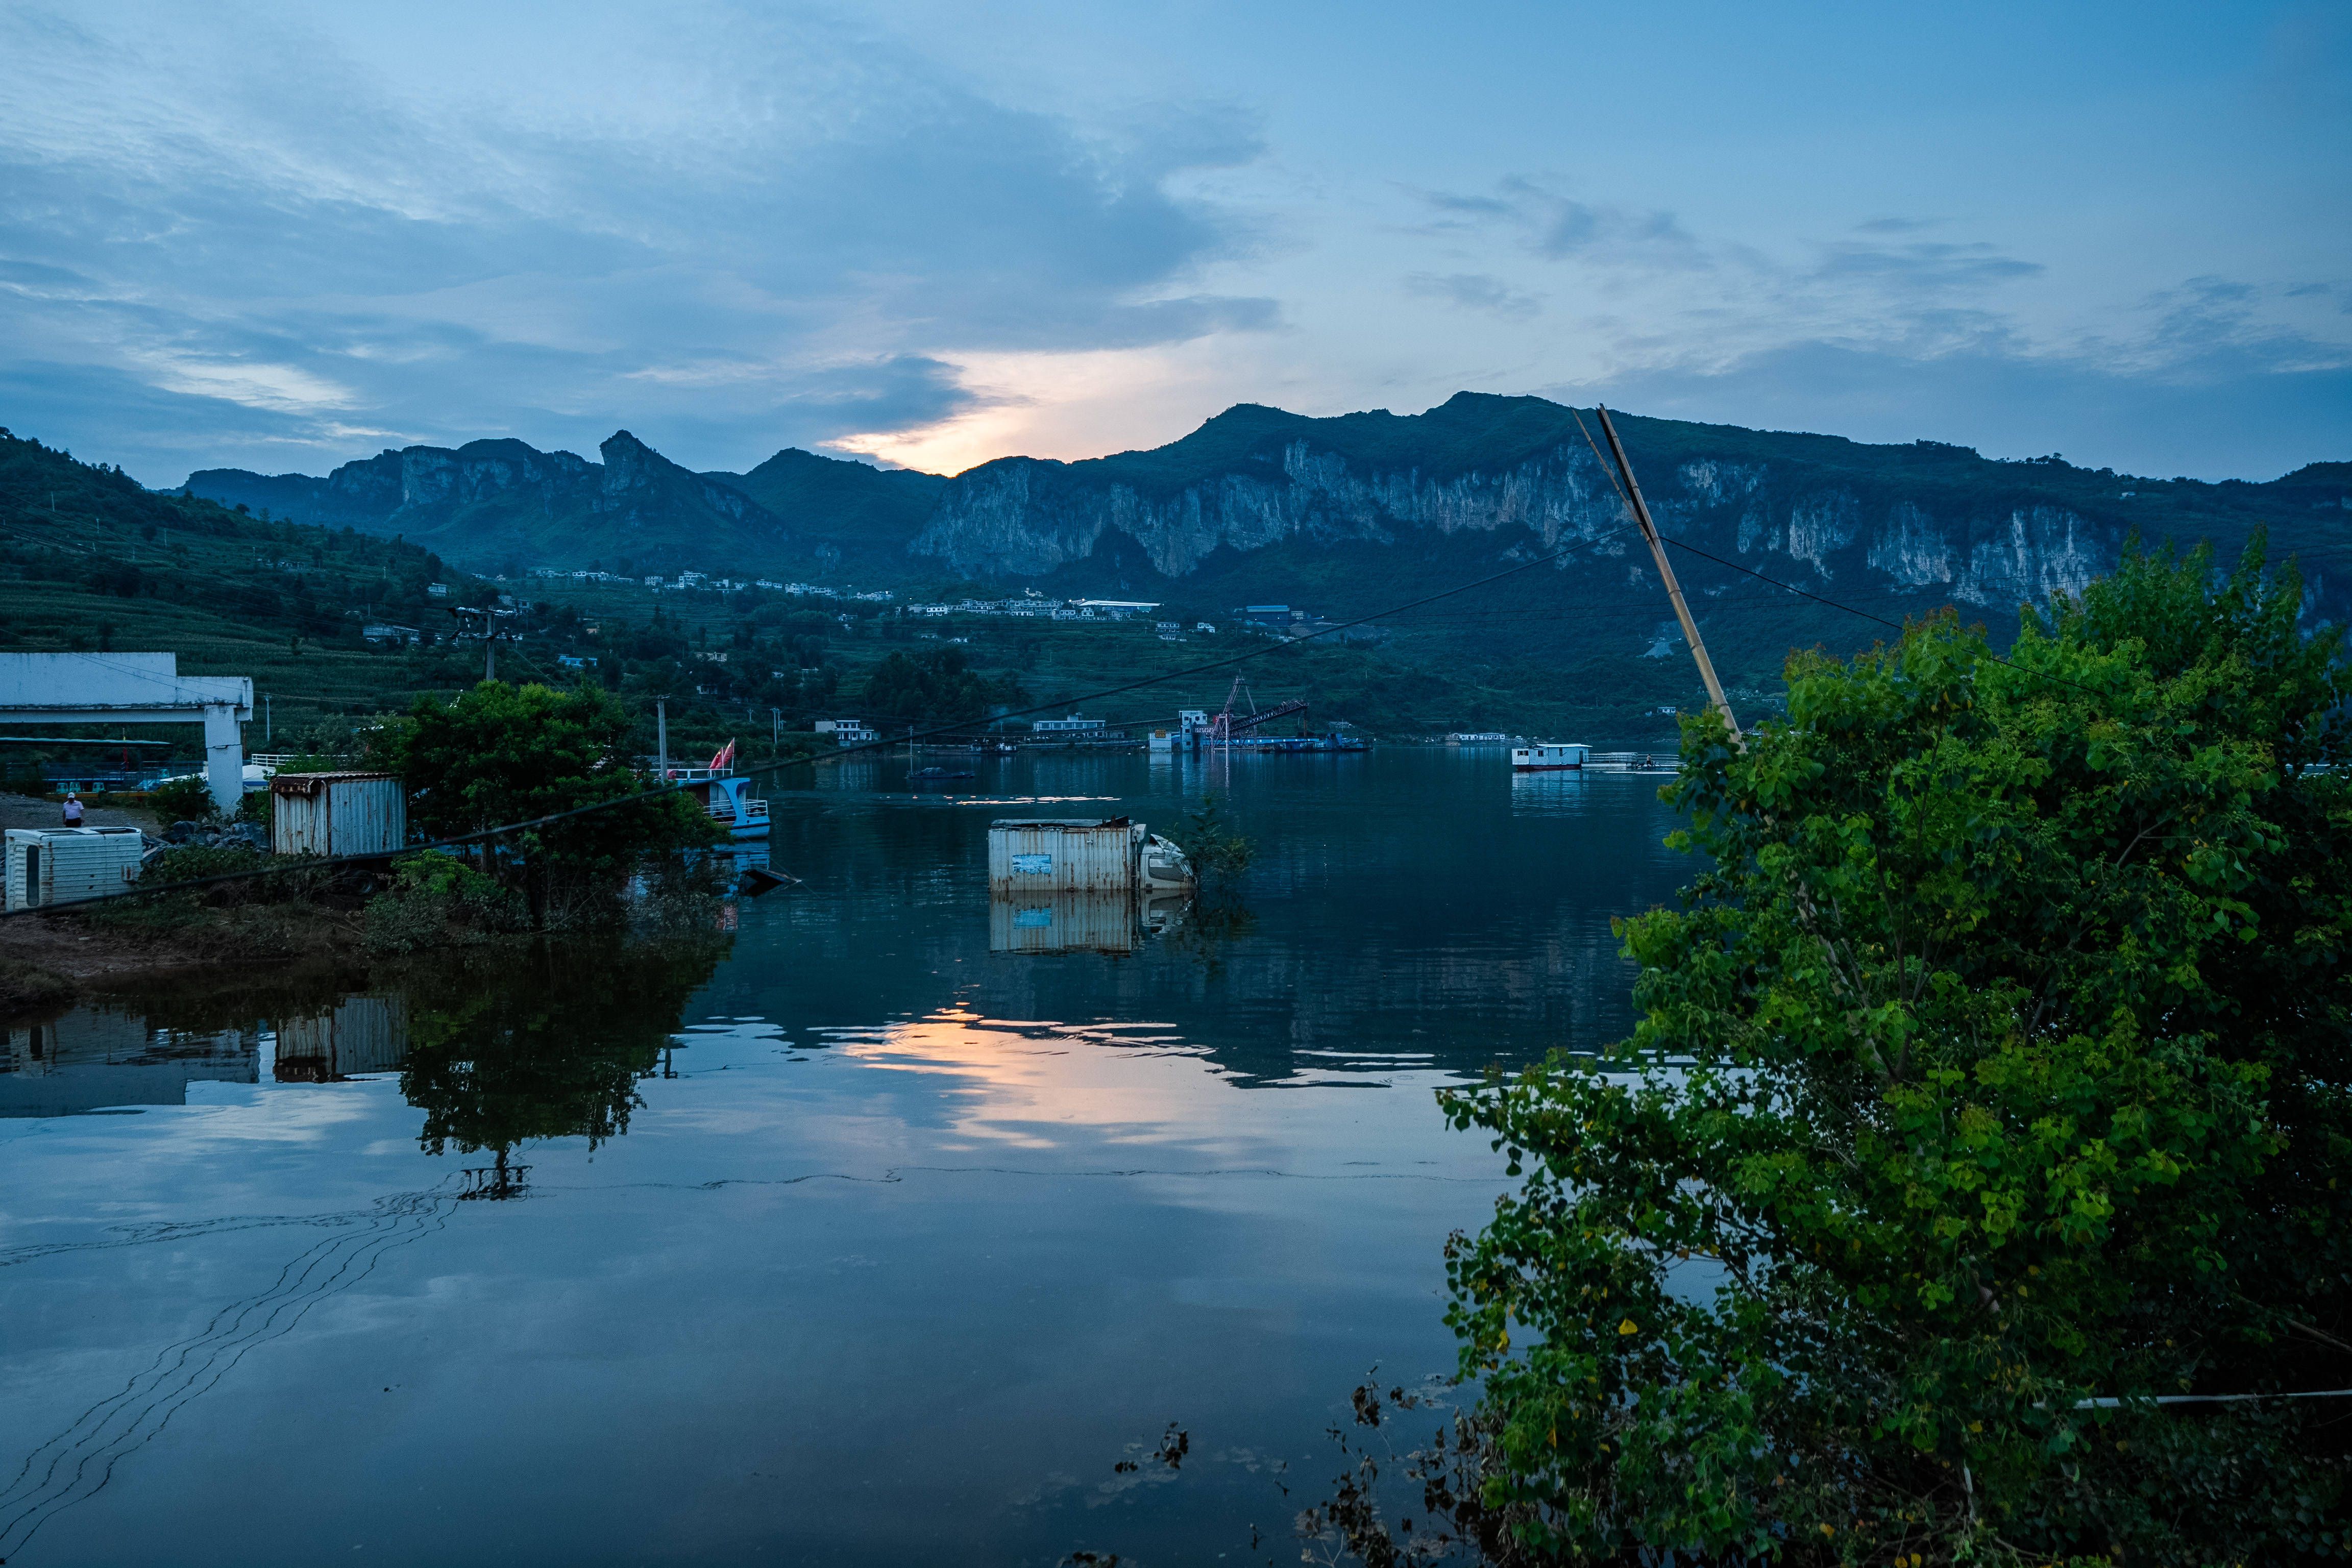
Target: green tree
1217 854
502 753
185 799
936 688
1991 1085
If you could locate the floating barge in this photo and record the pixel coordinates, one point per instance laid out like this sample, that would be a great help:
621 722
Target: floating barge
1550 756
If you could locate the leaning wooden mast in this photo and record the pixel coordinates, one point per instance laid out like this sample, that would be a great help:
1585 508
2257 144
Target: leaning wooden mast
1666 570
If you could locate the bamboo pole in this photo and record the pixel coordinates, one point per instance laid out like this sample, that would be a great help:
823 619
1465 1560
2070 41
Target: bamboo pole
1666 571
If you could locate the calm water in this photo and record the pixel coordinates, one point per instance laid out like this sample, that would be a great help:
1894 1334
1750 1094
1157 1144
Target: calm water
852 1237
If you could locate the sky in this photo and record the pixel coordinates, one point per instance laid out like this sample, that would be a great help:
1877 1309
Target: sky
282 237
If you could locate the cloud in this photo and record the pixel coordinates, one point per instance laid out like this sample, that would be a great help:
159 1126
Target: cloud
1476 291
1924 265
2248 409
1557 227
294 238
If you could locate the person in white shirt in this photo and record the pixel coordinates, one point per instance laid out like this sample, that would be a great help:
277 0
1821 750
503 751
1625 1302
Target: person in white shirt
73 809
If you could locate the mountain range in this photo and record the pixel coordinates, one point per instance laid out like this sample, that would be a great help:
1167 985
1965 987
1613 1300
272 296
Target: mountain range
1351 512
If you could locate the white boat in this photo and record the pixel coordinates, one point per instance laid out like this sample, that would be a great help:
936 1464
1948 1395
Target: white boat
726 798
1549 756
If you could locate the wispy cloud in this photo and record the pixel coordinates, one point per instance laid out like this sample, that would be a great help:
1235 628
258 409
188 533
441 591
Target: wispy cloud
1476 291
1559 226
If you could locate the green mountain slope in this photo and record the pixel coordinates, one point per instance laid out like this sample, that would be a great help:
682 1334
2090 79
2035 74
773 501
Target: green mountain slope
90 561
854 520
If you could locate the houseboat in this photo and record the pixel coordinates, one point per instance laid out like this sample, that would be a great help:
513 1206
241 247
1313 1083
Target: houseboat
727 798
1550 756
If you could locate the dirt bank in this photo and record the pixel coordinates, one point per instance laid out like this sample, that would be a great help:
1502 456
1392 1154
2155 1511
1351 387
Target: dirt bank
47 960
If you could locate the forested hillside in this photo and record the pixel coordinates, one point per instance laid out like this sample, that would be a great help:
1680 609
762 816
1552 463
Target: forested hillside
90 560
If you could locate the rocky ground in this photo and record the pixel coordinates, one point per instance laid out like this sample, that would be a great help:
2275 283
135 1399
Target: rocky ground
32 811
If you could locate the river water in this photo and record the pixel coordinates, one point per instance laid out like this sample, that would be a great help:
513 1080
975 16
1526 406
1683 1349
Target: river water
888 1227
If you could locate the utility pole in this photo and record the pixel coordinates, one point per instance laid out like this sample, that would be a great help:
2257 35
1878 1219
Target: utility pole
489 651
661 737
268 724
1666 571
775 730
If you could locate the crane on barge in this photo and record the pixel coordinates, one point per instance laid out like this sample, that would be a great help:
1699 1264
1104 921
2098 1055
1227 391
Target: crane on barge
1228 723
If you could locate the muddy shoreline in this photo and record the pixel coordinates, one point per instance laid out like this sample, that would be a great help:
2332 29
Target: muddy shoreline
50 960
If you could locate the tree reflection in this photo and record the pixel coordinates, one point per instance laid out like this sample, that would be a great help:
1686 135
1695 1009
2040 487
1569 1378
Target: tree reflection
547 1043
1207 924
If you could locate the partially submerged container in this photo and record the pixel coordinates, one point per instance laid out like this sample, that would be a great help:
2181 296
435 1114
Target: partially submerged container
1082 855
1074 855
47 866
338 814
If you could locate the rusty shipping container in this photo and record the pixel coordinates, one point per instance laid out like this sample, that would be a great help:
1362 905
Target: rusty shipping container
361 1034
1087 855
337 813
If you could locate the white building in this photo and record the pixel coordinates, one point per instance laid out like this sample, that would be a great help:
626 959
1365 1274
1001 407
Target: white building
1073 725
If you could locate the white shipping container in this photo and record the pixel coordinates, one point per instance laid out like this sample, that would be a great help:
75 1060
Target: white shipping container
69 865
337 813
1094 854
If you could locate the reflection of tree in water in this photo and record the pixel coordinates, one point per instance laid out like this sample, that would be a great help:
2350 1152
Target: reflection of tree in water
1208 923
547 1044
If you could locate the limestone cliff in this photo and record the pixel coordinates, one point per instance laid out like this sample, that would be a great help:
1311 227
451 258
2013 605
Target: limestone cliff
1930 518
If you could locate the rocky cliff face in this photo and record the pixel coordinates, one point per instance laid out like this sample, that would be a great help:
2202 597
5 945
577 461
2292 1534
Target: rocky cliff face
1021 516
1317 503
490 500
639 488
426 484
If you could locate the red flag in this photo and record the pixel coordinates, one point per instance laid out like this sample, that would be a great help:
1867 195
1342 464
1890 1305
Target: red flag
726 755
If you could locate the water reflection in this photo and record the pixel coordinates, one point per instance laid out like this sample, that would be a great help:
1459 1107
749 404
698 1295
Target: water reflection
95 1059
359 1035
495 1047
1114 923
501 1051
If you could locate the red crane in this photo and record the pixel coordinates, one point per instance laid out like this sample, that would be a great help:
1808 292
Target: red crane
1227 723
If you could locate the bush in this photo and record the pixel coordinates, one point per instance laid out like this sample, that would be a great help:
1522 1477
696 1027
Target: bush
500 753
435 900
189 863
187 799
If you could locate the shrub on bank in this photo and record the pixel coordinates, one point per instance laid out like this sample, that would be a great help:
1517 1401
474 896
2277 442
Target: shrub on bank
182 800
435 900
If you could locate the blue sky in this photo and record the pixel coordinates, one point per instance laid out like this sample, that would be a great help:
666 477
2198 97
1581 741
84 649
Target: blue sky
281 237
